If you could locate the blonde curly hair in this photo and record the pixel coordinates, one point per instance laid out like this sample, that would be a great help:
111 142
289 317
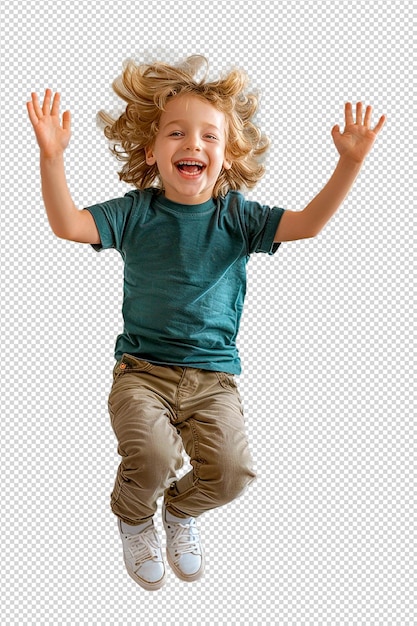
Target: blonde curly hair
146 88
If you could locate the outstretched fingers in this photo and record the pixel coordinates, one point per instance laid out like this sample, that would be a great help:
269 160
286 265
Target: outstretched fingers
49 107
367 120
46 106
34 109
38 110
359 112
361 118
348 114
368 115
380 124
55 104
31 112
66 120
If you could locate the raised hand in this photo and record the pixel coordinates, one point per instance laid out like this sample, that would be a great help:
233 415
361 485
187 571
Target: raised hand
52 136
358 137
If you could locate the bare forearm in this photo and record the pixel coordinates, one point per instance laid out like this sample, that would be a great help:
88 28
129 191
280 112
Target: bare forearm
65 219
59 204
323 206
353 145
310 221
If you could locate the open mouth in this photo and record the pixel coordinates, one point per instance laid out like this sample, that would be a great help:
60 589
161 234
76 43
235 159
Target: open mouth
190 167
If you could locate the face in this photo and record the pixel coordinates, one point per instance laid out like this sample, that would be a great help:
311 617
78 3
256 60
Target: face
189 149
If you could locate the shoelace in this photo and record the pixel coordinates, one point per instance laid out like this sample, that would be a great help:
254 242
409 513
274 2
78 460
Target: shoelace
184 538
143 546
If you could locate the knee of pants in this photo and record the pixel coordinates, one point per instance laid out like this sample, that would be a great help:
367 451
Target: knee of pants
150 461
226 480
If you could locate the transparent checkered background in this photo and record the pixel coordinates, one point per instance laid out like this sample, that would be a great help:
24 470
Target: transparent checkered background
327 533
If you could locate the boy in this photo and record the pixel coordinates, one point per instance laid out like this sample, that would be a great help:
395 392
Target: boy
185 234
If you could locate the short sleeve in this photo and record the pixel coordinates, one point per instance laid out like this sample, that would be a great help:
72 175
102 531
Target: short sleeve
262 223
111 219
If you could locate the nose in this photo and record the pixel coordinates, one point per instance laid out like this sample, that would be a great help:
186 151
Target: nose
193 143
193 147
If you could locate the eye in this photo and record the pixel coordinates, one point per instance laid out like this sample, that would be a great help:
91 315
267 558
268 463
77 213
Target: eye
211 137
176 133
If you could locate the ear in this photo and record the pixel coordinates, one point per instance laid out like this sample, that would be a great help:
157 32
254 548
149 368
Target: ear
227 164
150 157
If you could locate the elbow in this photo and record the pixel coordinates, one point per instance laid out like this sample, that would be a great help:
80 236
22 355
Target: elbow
308 234
313 233
58 228
313 230
62 233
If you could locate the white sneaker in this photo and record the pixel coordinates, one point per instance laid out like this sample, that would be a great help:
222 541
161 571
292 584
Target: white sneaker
143 556
184 550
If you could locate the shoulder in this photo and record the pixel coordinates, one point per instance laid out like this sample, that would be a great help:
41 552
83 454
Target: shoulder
135 204
238 199
235 202
139 197
232 199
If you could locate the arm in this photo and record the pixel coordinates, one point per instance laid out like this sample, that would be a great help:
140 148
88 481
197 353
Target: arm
65 219
353 145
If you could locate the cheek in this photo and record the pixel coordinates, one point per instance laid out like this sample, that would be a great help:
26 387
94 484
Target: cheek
221 158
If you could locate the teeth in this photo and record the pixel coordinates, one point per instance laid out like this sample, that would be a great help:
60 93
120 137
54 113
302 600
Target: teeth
191 163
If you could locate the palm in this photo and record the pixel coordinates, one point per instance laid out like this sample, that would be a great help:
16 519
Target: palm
358 137
51 136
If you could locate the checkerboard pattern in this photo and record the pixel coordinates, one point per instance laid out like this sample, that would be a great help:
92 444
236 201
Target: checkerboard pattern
326 534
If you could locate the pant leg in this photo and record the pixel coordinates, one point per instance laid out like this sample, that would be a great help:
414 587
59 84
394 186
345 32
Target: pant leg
148 443
211 423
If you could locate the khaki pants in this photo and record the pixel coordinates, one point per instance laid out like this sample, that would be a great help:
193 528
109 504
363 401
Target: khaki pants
155 411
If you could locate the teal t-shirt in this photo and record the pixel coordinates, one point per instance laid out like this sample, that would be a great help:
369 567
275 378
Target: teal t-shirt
184 273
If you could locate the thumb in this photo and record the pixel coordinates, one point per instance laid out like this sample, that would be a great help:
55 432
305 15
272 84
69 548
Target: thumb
66 120
336 132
